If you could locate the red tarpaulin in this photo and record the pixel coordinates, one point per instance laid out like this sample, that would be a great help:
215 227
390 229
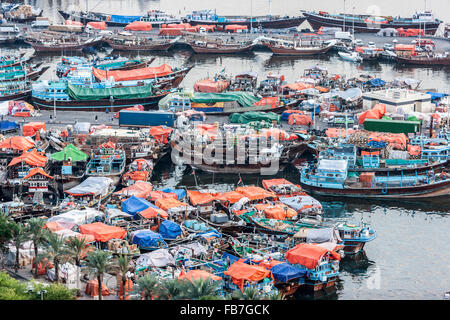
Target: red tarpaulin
136 74
17 143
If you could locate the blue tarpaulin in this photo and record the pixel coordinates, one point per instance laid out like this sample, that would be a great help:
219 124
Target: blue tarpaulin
284 272
210 234
436 95
6 125
148 239
169 229
231 258
134 205
181 193
377 82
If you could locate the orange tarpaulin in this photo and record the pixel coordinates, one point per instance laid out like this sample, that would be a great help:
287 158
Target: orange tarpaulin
366 177
272 101
308 255
31 128
208 27
277 134
73 23
135 108
279 211
139 26
235 27
299 119
168 203
241 272
255 193
160 133
198 274
297 86
414 150
268 264
108 145
136 175
128 289
176 25
398 140
209 85
140 189
155 195
369 114
92 289
268 183
17 143
34 171
153 213
102 232
338 132
54 226
99 25
136 74
197 197
32 158
231 196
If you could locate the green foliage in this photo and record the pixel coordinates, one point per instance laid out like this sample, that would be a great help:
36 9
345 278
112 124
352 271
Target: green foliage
5 231
12 289
54 291
98 262
249 293
146 285
171 289
201 288
76 246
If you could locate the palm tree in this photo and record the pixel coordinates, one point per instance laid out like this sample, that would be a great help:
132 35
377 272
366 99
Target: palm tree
76 246
98 263
123 263
57 251
171 289
201 288
20 234
38 235
146 285
249 293
274 296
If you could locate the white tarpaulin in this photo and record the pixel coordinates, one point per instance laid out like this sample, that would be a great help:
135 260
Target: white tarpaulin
67 271
4 108
82 127
194 249
78 217
92 185
158 258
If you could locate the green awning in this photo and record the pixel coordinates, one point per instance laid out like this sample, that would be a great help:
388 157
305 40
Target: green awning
252 116
84 93
244 98
71 152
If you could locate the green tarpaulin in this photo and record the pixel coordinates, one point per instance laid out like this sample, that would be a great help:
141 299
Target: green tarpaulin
386 118
71 152
245 99
247 117
84 93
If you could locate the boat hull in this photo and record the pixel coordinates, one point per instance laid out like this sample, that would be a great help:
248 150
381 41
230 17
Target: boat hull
316 21
144 47
221 50
61 48
439 189
281 23
425 62
298 53
25 95
34 75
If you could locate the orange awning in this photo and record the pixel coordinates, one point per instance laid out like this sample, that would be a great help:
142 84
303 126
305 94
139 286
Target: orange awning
34 171
32 158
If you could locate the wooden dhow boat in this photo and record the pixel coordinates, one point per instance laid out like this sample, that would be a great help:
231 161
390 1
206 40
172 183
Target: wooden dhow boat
122 43
61 45
424 60
297 47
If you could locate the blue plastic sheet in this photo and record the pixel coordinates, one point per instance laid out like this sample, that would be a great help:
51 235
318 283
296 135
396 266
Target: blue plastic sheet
284 272
134 205
181 193
377 82
169 229
148 239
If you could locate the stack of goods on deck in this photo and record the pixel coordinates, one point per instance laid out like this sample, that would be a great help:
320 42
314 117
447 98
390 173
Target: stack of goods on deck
139 26
211 85
389 143
175 29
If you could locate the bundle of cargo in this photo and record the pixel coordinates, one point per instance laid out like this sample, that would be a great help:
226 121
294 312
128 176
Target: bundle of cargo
364 138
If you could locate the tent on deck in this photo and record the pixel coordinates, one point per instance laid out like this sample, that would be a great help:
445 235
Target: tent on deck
69 152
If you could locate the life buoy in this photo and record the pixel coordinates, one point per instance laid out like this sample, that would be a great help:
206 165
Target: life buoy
108 18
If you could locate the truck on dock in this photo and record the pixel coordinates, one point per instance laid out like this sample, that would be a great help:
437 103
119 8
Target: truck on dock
8 126
393 126
140 119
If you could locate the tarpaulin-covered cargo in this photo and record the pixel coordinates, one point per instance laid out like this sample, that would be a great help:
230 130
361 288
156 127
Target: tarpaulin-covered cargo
66 233
69 152
139 26
157 194
19 106
159 258
191 249
169 229
299 119
242 97
247 117
17 143
285 272
8 126
92 186
301 203
198 198
168 203
135 74
98 25
92 289
297 86
84 93
278 211
147 239
31 128
272 101
77 217
153 212
210 85
241 272
235 28
103 232
73 23
140 189
255 193
134 205
285 115
338 132
192 275
320 235
32 158
308 255
231 196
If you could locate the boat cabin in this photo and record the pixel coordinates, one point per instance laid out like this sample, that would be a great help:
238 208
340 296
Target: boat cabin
38 180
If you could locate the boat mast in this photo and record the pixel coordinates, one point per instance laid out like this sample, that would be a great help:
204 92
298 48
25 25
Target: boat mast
344 17
251 16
